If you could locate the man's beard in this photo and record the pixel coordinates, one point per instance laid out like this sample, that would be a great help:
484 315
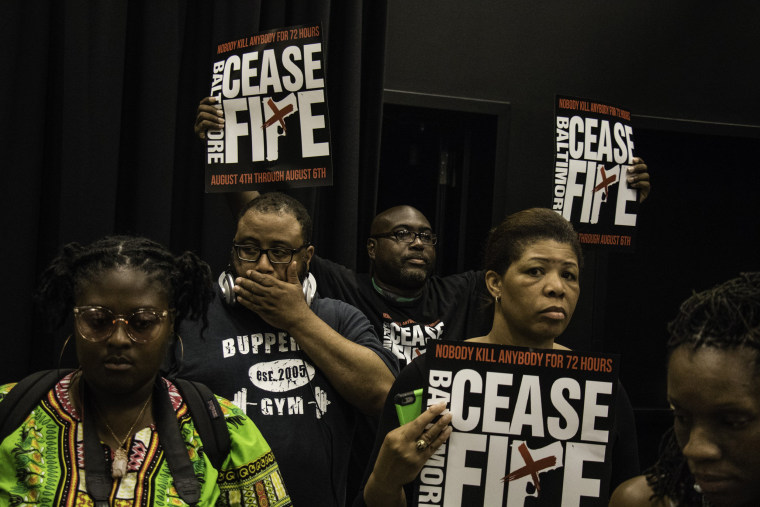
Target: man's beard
413 278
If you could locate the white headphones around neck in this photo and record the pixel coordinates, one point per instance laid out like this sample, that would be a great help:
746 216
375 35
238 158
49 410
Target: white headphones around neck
226 283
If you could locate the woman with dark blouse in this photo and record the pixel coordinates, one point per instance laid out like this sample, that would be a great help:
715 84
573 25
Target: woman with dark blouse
532 262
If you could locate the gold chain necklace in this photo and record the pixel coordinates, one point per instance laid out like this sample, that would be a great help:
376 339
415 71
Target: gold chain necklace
119 465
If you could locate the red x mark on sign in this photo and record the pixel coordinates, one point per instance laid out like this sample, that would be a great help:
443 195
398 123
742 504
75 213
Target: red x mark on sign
531 467
278 115
605 181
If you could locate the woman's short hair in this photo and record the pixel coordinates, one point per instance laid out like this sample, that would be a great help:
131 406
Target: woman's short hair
507 241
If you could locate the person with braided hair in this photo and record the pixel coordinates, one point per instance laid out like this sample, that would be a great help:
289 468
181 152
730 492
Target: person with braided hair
116 431
711 456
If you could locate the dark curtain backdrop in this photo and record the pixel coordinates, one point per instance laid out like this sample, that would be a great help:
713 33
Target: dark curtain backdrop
99 100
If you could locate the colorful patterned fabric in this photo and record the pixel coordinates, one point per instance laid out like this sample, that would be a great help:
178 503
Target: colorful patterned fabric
41 463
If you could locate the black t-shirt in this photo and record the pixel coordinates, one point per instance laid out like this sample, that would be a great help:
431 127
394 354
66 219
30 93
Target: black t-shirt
261 369
453 307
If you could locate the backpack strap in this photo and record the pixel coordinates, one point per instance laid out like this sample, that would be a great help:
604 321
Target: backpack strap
208 419
99 481
183 474
25 395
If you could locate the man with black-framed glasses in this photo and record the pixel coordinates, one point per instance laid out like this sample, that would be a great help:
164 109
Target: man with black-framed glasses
406 303
301 366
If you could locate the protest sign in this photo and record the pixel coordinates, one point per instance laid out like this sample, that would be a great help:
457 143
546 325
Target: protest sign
530 426
594 148
272 89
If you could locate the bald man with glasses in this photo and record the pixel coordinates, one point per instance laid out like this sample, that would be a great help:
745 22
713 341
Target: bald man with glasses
406 303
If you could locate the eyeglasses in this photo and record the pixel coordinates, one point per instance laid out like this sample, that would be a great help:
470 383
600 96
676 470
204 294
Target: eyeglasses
279 255
97 323
404 236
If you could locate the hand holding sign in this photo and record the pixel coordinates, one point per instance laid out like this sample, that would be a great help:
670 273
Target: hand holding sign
209 117
638 178
401 458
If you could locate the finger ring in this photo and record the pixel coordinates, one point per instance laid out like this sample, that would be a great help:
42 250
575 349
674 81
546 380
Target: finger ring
421 444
